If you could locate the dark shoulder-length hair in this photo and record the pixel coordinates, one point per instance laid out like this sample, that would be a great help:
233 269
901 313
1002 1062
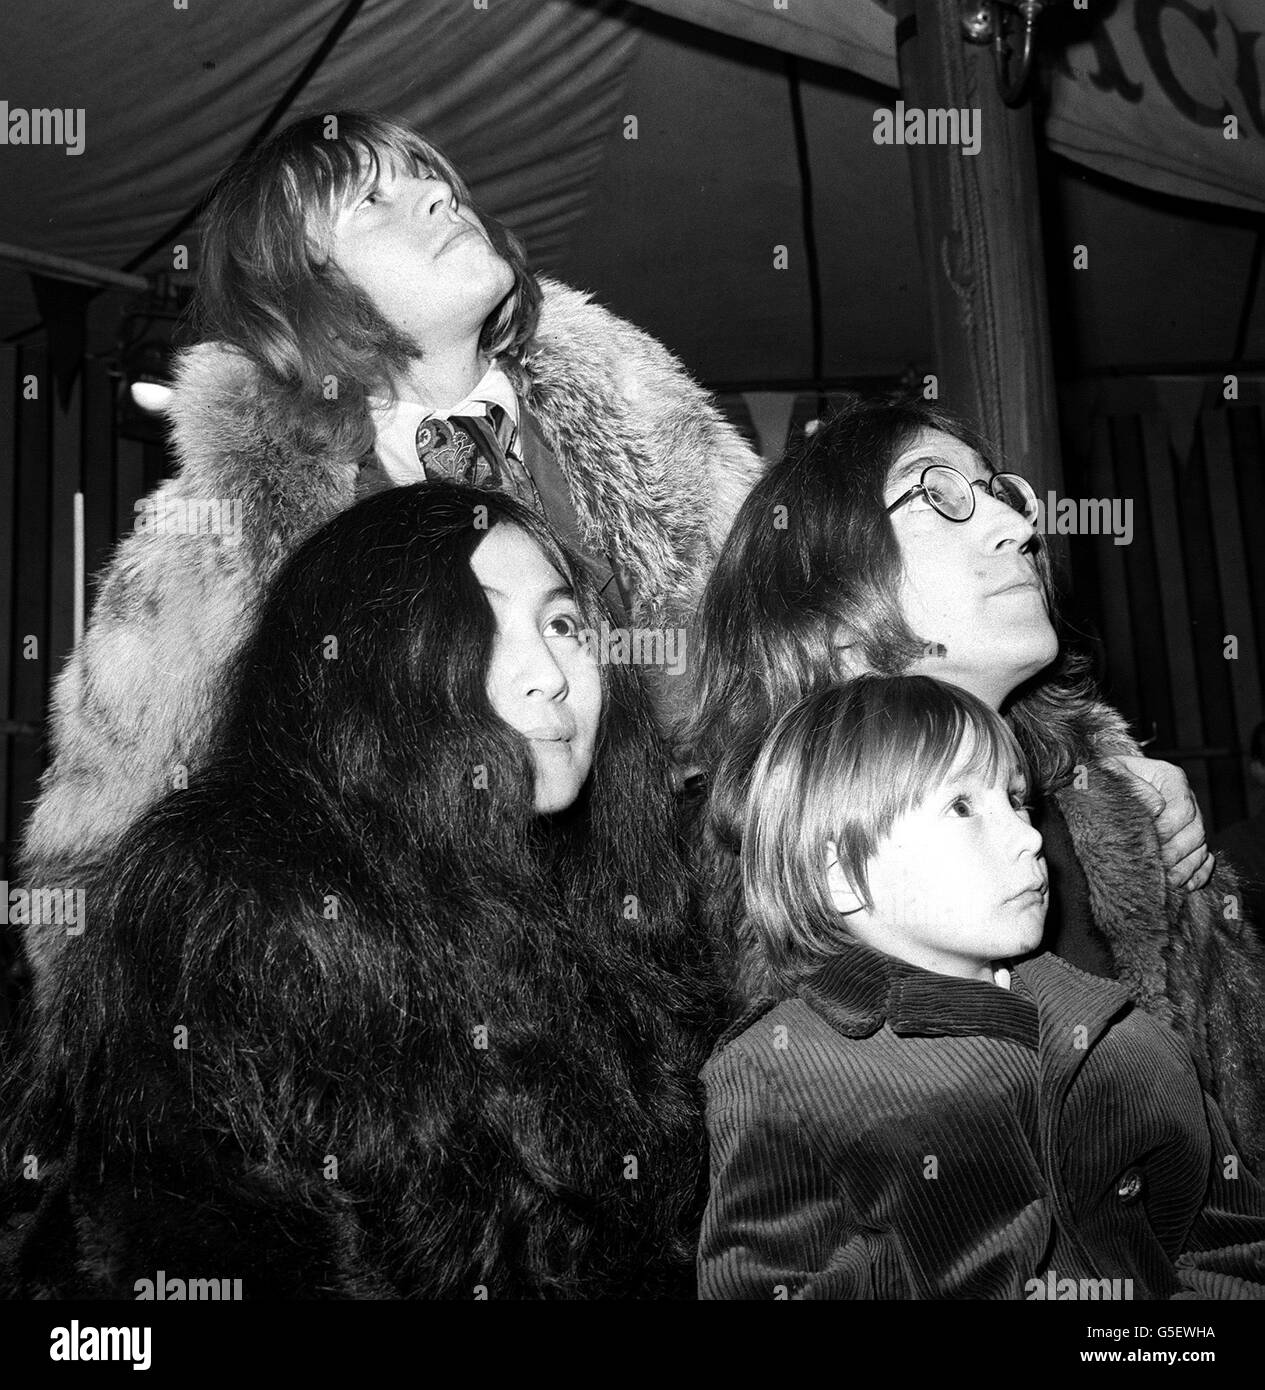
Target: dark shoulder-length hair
268 288
805 593
493 1020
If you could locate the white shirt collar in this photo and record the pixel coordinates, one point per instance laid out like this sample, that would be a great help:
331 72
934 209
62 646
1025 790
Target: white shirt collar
395 423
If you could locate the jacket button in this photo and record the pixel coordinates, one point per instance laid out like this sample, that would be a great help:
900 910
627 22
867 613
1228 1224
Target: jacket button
1129 1188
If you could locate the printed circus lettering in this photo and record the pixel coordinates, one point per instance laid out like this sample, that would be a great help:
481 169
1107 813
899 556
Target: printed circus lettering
637 646
43 907
173 1290
1187 48
197 516
911 125
44 126
1086 516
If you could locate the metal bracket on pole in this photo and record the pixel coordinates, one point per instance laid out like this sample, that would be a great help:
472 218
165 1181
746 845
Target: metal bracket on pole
992 22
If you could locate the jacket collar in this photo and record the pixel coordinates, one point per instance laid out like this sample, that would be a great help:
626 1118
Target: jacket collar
1074 1010
860 990
1051 1005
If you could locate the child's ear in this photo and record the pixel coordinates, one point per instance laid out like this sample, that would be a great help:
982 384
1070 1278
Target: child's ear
842 893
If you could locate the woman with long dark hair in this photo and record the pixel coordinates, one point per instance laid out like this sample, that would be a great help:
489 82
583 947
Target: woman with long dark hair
890 543
399 996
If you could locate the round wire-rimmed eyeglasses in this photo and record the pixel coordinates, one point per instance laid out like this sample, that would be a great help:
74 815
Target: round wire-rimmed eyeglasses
952 494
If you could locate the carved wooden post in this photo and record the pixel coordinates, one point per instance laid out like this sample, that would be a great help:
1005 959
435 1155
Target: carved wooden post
979 230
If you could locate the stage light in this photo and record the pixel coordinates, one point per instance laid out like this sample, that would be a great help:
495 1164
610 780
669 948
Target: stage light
144 389
150 395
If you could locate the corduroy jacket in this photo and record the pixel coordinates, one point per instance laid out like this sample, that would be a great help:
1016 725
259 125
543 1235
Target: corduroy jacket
893 1133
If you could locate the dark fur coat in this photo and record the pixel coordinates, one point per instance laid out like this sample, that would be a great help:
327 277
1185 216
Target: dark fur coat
1193 960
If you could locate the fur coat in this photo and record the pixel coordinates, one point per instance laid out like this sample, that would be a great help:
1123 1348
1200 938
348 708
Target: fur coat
655 476
1193 960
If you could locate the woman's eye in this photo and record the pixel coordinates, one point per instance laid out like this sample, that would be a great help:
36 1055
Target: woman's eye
371 198
1019 803
960 806
564 625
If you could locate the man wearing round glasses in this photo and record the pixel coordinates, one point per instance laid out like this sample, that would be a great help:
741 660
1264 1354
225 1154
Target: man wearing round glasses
953 495
975 586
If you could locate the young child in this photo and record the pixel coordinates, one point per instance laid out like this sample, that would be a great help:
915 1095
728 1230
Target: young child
931 1111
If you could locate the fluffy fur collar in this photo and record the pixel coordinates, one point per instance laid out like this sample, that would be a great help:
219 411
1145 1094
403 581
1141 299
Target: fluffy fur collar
654 471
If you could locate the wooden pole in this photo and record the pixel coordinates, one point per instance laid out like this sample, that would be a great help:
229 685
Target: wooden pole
979 231
64 268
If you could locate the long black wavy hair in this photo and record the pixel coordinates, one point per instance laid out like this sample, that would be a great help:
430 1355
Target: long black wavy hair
491 1021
